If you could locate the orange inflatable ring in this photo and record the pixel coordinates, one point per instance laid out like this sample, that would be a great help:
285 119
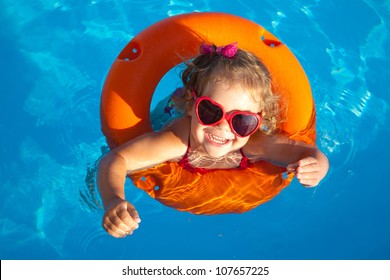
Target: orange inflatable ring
134 76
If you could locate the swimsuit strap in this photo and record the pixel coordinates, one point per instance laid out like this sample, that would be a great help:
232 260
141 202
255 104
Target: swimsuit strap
186 165
244 163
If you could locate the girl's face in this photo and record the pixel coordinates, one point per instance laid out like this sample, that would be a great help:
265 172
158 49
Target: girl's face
218 140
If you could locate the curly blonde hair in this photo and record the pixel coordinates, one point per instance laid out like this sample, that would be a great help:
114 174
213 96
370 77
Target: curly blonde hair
243 69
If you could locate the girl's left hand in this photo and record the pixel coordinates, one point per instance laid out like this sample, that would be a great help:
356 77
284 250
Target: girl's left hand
307 170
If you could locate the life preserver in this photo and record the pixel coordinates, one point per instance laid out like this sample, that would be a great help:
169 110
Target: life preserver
135 74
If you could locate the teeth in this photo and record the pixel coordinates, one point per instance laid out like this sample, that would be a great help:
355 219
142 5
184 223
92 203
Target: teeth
218 140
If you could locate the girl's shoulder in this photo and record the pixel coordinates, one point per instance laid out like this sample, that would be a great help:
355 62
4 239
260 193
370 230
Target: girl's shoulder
260 145
153 148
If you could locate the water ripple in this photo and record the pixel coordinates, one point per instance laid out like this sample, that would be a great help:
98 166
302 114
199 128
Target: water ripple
346 102
84 238
342 118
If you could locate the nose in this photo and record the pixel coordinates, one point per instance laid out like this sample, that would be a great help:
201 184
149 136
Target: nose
224 126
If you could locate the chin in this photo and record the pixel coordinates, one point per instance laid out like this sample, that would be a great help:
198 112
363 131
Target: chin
218 150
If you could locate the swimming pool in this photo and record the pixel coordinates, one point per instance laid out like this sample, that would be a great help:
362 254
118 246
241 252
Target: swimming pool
54 62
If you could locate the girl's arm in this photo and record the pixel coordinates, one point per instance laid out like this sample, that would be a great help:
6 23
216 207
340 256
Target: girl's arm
121 218
308 163
148 150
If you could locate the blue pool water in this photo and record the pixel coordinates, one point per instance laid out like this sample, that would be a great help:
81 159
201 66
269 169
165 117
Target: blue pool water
54 58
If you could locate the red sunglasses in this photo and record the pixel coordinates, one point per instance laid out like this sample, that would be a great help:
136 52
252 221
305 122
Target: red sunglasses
209 112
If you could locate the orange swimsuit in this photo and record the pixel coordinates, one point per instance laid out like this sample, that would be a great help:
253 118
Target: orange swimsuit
212 191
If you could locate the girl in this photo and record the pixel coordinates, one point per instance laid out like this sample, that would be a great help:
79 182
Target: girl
230 119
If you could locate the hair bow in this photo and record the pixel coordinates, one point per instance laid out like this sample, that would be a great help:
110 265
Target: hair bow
228 51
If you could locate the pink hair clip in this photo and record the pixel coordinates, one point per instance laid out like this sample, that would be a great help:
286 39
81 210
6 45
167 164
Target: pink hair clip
228 51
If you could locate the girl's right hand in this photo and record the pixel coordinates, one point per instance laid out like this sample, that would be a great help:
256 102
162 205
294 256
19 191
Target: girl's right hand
121 218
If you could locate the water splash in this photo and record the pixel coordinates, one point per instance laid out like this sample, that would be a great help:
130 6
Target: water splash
89 195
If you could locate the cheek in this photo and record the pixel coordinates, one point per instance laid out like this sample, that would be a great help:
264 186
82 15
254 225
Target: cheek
197 130
240 142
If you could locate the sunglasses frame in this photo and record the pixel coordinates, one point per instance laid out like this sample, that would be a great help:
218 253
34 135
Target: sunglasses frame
226 116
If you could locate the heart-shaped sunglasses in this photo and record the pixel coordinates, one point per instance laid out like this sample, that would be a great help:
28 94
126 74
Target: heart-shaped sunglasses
209 112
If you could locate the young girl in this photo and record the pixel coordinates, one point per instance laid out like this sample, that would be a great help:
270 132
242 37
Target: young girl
230 120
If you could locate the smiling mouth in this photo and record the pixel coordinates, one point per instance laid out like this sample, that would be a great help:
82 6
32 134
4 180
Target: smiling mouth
217 140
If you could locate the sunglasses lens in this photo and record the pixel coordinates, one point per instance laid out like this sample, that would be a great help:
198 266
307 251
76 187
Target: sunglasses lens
244 124
209 113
